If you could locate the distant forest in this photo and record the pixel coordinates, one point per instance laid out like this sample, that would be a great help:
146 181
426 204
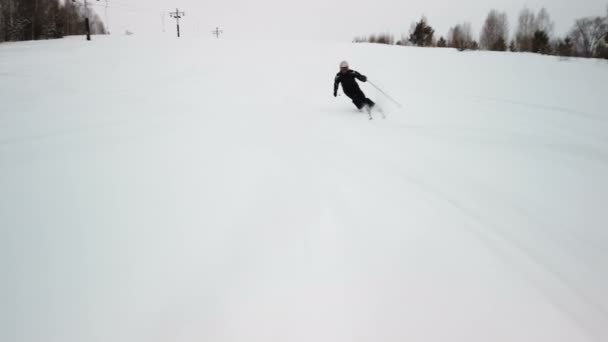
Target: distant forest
588 36
45 19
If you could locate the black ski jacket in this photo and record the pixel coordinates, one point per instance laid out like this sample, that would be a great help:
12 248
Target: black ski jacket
349 83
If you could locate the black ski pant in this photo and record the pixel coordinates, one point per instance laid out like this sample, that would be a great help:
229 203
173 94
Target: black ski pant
360 100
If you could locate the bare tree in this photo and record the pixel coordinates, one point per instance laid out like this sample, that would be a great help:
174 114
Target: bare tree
587 34
528 27
495 32
525 30
97 26
602 47
382 38
461 36
385 38
544 22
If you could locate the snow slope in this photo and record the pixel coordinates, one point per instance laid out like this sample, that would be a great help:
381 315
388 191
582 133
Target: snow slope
193 190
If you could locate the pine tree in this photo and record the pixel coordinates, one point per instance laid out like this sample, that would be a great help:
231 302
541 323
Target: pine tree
499 45
422 34
540 43
565 48
602 51
441 43
43 19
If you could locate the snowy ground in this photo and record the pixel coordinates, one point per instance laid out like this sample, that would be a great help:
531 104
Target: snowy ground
191 190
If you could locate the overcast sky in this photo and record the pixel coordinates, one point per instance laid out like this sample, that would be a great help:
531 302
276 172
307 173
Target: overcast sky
324 19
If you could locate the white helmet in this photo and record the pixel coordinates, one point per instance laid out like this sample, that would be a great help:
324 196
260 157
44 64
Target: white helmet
344 64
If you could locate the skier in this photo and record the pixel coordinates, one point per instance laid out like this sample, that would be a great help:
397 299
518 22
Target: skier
351 88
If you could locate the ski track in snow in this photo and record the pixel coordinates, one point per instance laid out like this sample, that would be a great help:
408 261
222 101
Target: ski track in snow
230 197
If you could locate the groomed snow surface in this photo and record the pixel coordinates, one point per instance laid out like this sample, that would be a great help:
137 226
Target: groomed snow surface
196 190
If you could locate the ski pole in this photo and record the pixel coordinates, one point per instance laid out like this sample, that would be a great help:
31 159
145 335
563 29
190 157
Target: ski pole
385 94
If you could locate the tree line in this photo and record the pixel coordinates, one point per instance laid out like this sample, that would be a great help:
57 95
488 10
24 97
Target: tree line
588 36
45 19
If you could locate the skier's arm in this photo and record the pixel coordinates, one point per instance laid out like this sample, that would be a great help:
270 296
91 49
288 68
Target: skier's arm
336 84
360 77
